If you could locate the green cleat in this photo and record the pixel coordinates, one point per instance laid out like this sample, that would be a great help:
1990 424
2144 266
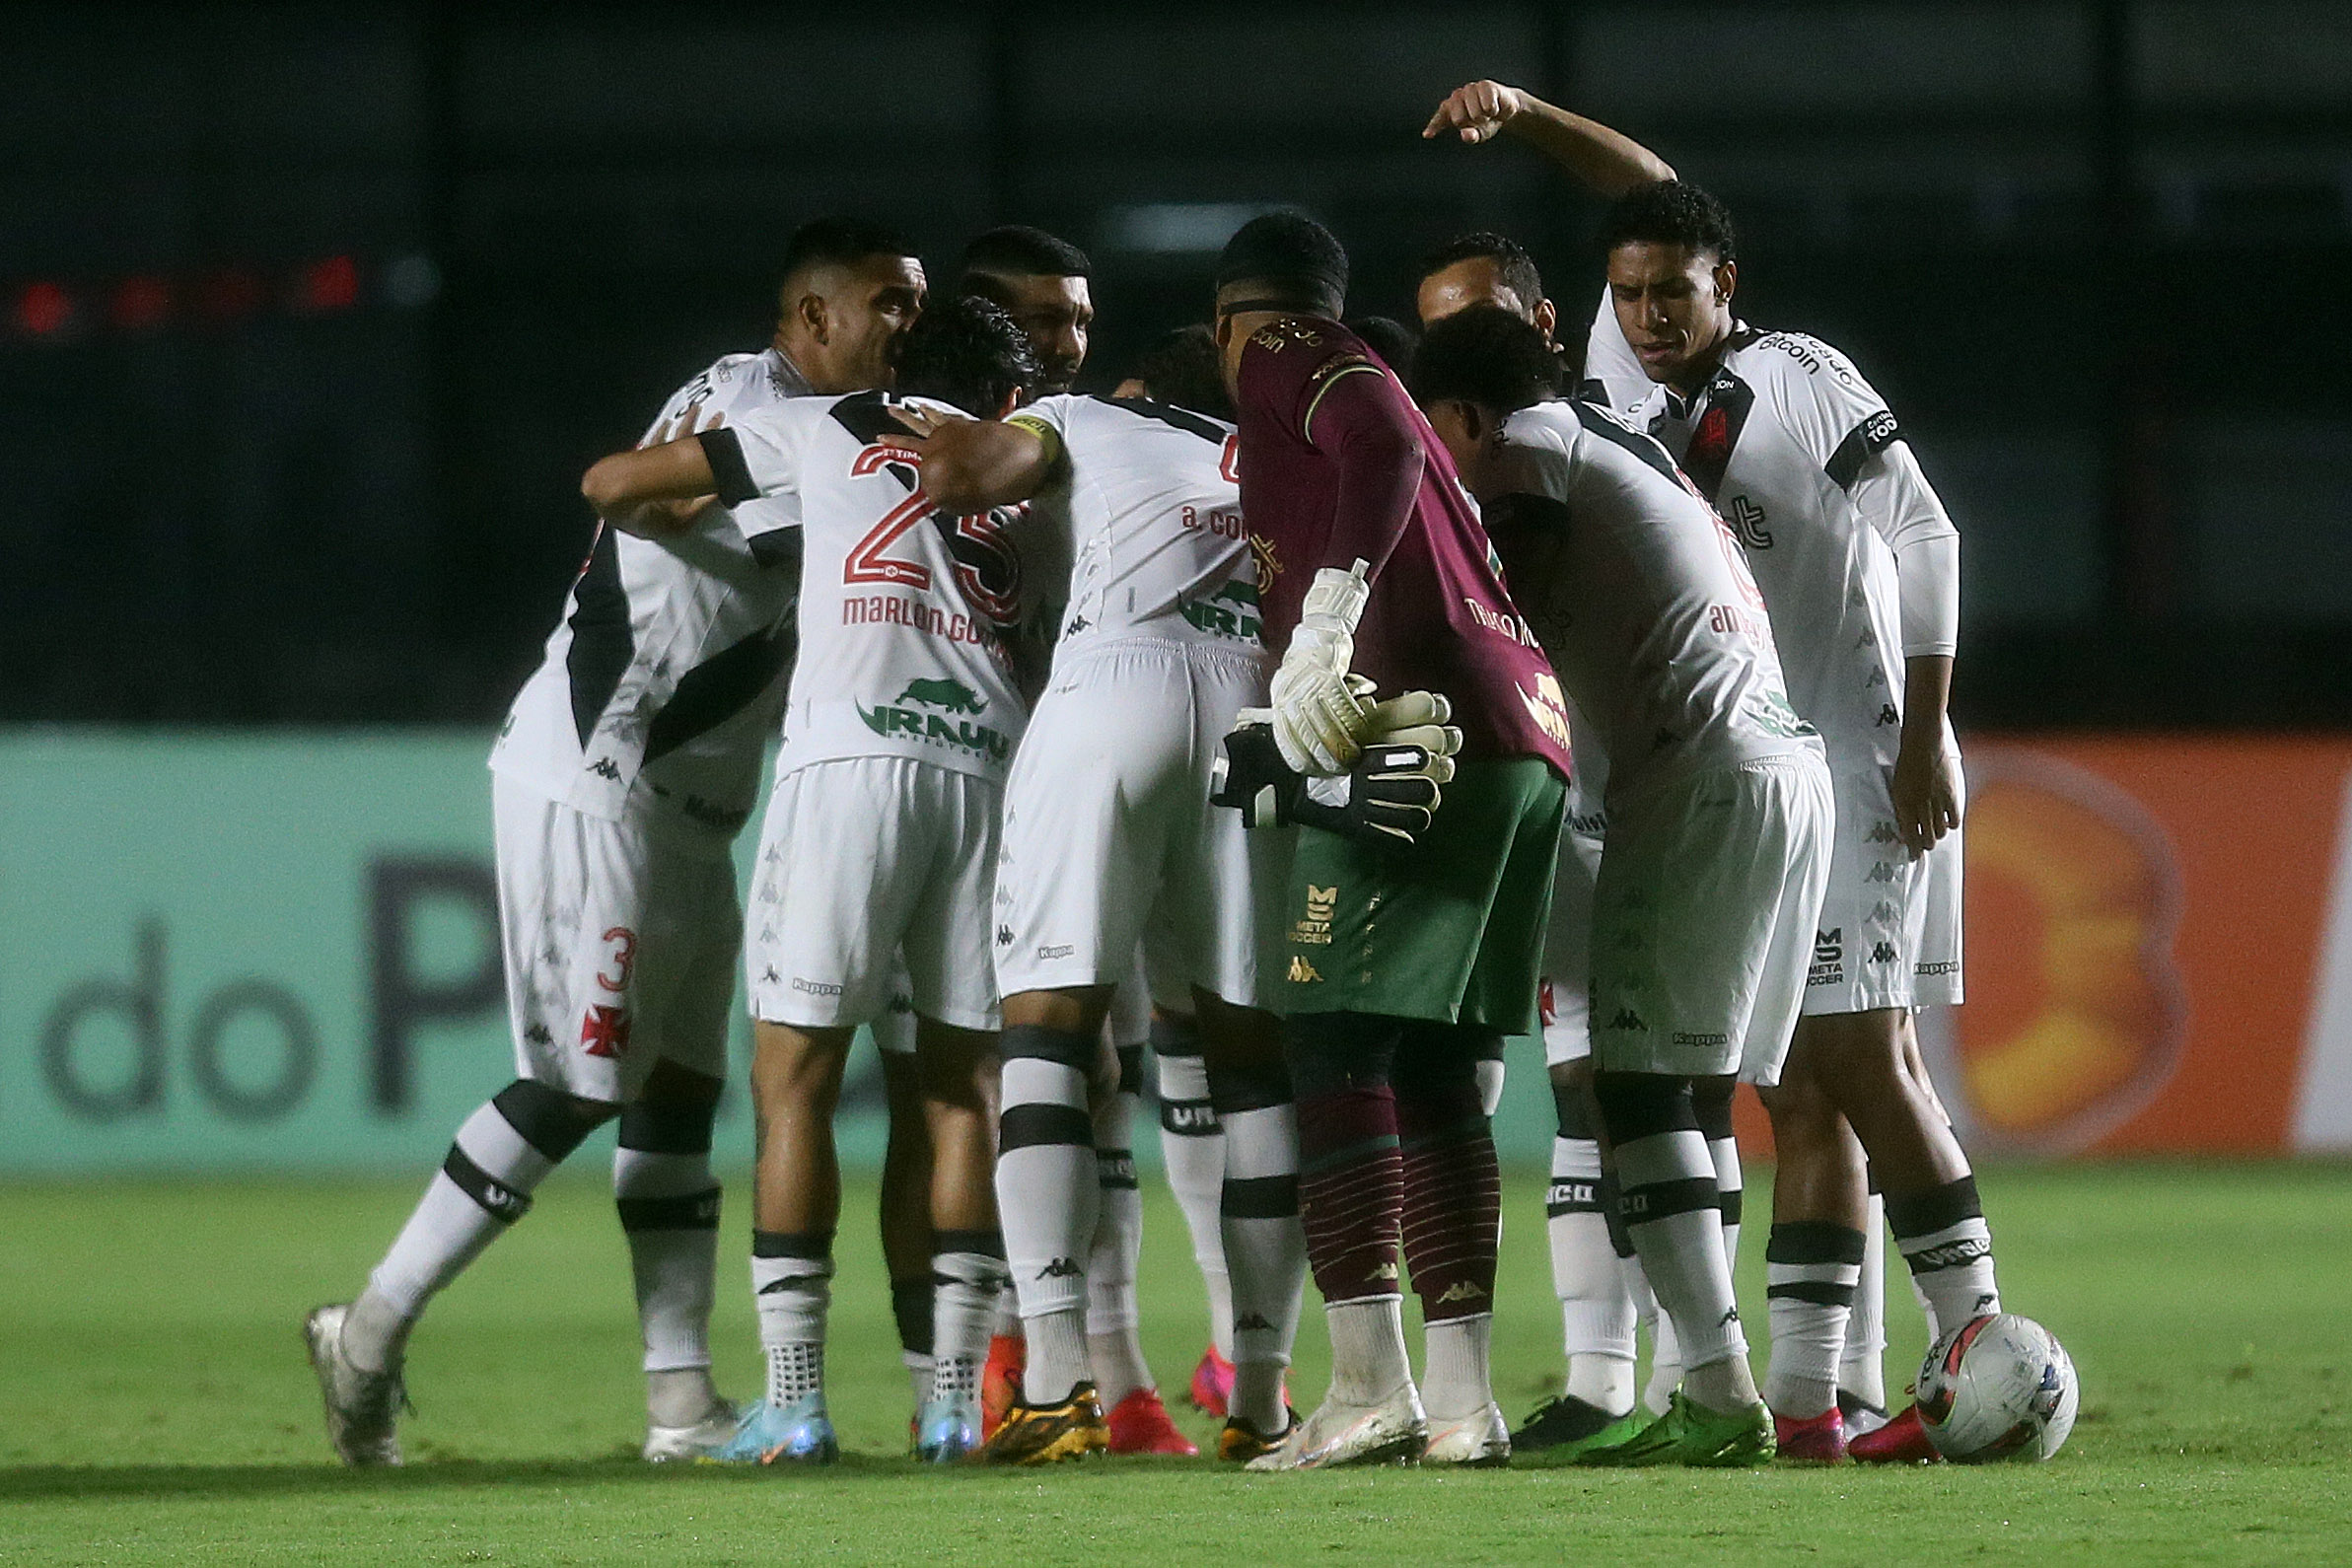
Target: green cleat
1688 1434
1562 1430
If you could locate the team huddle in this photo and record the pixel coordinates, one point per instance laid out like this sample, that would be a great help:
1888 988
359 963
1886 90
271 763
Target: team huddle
1319 711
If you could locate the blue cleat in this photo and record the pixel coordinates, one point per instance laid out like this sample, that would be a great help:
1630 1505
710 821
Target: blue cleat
799 1433
947 1430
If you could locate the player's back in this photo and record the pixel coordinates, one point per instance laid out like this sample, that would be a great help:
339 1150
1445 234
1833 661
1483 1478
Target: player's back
903 609
1148 510
1642 598
663 678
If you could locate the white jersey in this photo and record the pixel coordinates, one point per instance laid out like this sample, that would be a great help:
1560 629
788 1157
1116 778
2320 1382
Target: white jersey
1147 509
1776 440
1648 611
904 609
662 681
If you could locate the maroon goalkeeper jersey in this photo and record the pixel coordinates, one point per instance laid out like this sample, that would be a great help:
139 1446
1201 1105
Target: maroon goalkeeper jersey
1337 466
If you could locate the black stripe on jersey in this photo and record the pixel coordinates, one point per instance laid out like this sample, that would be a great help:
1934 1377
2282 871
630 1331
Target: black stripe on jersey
779 548
1874 433
1612 431
1526 510
723 450
867 417
1184 419
721 686
1717 433
603 640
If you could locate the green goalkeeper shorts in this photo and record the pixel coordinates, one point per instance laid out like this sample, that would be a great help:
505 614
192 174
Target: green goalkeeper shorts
1449 929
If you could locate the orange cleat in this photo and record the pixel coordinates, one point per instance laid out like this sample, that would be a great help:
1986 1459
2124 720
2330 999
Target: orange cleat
1212 1384
1000 1381
1139 1424
1815 1440
1901 1441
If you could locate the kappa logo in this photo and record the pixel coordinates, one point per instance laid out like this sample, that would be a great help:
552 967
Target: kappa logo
1942 967
808 987
1881 832
605 768
1302 973
1888 715
1627 1018
1385 1271
539 1035
1004 936
1882 911
1252 1320
1059 950
604 1031
1884 871
1882 952
1461 1290
1061 1268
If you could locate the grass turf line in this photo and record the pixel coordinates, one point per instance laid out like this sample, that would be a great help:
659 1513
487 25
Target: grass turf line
155 1405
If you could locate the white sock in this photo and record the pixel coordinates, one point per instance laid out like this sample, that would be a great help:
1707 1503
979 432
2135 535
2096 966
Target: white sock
969 1268
483 1185
1113 1344
1810 1269
1944 1239
792 1290
1368 1356
1668 1180
670 1212
1048 1197
1666 1357
1596 1320
1266 1247
1862 1368
1728 1191
1456 1379
918 1372
1192 1145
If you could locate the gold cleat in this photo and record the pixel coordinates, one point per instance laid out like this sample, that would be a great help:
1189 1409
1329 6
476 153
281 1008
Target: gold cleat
1048 1434
1240 1441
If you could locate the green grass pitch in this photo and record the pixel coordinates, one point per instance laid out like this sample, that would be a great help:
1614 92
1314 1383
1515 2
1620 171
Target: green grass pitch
155 1405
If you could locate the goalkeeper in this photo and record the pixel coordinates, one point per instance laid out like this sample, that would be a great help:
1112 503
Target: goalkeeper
1400 962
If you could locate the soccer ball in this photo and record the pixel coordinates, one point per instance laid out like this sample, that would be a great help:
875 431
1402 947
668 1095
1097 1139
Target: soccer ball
1997 1387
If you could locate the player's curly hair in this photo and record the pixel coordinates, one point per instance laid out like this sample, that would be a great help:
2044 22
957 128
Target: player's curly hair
968 353
1487 356
1182 370
1669 212
1510 259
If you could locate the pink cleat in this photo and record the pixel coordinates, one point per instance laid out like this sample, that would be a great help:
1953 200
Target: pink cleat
1813 1440
1212 1384
1901 1441
1139 1424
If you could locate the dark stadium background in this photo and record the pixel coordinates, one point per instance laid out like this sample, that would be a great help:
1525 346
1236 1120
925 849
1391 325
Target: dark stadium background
311 315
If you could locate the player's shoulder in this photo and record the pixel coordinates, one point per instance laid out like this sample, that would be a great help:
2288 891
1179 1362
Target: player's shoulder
1797 366
1149 416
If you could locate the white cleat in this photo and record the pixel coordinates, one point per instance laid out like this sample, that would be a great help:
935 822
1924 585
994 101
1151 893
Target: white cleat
361 1406
1393 1431
1480 1440
666 1445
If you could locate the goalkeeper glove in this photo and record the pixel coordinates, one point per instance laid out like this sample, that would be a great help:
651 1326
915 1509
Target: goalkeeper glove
1390 796
1318 719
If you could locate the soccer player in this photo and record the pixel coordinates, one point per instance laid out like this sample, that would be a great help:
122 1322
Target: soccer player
1042 282
1860 566
1404 962
1715 853
1595 1272
621 776
1111 840
879 838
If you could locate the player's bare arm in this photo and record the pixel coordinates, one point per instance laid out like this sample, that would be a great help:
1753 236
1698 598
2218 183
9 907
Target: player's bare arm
650 491
972 465
1926 788
1607 162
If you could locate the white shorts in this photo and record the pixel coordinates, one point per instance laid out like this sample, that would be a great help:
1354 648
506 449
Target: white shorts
1703 919
1110 837
619 940
1890 934
893 1028
1564 997
861 859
